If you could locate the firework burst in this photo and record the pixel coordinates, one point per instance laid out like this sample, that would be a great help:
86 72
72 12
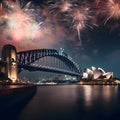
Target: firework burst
113 9
80 19
110 9
74 14
21 19
58 7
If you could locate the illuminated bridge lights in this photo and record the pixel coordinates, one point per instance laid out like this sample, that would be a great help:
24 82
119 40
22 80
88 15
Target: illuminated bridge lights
48 60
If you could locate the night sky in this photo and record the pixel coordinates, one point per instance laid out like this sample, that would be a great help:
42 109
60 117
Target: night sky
88 30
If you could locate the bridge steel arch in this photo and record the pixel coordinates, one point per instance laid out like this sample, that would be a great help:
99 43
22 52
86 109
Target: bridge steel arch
26 58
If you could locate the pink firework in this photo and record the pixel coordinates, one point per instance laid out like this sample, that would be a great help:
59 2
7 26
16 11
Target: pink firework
76 14
58 7
110 9
20 22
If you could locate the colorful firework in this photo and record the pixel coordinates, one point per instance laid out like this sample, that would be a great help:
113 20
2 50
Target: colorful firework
110 9
21 20
76 13
80 19
58 7
113 9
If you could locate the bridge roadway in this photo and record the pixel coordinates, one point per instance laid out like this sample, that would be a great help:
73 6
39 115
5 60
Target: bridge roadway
61 61
43 68
48 69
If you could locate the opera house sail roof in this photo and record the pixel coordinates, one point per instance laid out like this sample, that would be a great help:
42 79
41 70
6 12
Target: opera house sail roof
96 73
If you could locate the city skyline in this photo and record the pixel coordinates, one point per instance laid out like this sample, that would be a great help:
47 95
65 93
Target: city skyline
95 44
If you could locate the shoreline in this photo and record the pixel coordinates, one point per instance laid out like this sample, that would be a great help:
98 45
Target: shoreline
76 84
12 96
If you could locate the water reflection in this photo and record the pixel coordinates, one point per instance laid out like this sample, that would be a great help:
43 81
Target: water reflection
73 102
87 95
10 86
108 93
96 93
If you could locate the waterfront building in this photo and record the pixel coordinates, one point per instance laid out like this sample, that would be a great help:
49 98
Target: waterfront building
96 74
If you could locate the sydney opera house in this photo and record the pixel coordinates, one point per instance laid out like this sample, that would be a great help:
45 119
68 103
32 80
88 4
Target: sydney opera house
96 74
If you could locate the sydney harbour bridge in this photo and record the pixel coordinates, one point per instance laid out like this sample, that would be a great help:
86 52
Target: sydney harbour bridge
47 60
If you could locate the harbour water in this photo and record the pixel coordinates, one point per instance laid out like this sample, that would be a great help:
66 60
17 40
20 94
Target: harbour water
72 102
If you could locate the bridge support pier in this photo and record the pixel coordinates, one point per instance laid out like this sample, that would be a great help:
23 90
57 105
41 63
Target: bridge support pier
10 56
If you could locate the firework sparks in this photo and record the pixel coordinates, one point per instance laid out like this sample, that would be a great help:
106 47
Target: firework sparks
110 9
114 9
80 19
17 20
97 2
61 6
75 13
65 6
21 19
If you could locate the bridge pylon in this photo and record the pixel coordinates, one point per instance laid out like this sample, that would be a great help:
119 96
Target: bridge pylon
9 55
